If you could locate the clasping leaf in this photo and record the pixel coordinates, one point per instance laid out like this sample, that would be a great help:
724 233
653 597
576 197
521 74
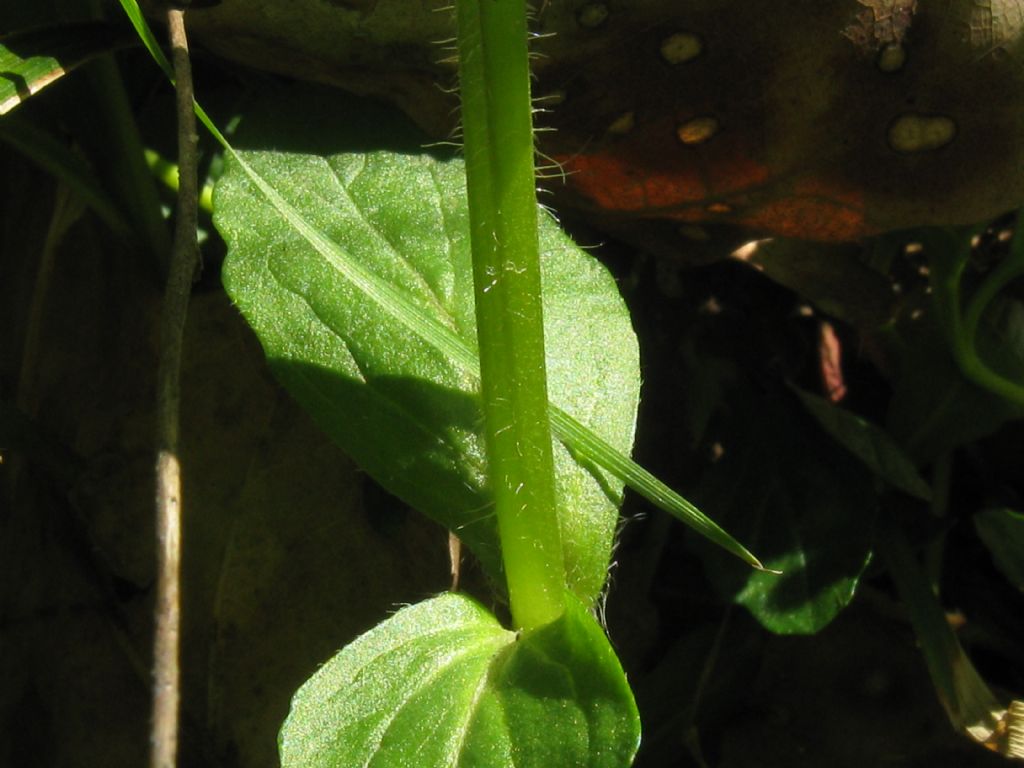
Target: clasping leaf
441 684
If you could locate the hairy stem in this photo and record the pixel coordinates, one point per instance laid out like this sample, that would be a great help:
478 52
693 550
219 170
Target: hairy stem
494 77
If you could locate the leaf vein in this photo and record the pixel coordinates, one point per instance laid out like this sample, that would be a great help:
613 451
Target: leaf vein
371 225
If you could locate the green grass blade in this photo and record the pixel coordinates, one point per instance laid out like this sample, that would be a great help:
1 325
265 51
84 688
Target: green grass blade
590 446
33 59
134 14
39 144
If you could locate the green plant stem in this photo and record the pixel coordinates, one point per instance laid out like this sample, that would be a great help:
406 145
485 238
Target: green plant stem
167 173
114 129
967 699
131 181
926 615
41 146
1007 270
950 251
496 115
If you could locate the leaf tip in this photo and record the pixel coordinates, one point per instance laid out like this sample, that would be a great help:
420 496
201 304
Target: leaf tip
755 563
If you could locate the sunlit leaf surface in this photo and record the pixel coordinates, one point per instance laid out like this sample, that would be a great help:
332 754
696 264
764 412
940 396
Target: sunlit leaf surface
406 412
441 683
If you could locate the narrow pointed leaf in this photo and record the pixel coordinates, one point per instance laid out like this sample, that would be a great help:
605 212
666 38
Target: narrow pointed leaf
39 143
33 59
1002 530
869 443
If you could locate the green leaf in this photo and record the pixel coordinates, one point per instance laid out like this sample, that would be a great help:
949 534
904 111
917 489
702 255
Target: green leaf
869 443
33 59
407 412
37 141
1002 530
804 503
586 444
441 683
94 110
934 408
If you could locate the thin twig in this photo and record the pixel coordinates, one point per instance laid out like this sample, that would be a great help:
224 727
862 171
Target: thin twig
166 684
